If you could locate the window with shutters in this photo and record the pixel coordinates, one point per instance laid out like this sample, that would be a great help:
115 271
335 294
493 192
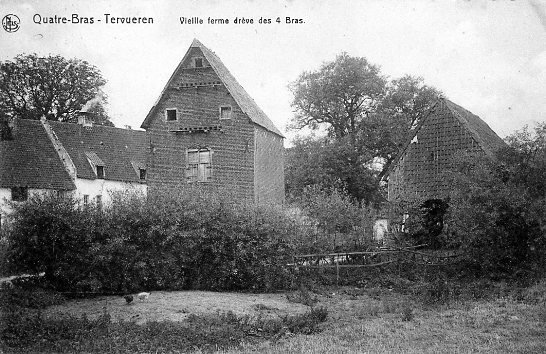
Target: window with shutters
199 168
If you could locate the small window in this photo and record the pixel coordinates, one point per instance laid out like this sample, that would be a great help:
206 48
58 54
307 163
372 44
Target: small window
19 194
100 172
199 166
142 174
85 199
98 201
170 114
198 62
225 112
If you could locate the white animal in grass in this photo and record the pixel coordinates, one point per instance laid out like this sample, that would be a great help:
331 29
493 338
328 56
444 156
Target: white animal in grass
143 296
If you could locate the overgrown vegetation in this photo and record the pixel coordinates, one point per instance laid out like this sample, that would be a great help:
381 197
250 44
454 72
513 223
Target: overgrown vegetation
24 330
497 213
332 221
191 240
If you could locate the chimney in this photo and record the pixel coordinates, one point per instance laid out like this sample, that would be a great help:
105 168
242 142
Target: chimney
85 118
128 127
6 129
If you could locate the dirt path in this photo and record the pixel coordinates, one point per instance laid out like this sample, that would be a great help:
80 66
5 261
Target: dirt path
177 305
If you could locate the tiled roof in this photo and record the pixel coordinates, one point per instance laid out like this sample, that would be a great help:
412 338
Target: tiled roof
30 160
117 149
486 138
242 98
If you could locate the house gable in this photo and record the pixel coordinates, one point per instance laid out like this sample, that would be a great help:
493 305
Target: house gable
221 77
419 170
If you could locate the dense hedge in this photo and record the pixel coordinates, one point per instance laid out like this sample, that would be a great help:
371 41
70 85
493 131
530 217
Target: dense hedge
195 240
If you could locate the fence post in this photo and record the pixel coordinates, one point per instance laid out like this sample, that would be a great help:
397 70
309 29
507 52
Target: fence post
337 272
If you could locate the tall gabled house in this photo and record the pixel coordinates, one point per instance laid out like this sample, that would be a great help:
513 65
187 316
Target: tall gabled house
205 129
418 172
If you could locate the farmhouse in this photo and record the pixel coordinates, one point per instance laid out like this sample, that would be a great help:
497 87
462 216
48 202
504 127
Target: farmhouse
418 173
86 160
205 129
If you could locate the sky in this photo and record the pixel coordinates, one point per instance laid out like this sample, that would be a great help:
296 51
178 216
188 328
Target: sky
487 56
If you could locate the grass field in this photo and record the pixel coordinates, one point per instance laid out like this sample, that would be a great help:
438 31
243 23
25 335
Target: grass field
359 321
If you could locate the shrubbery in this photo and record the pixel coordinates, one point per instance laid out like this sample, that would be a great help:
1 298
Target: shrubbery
334 221
497 213
191 240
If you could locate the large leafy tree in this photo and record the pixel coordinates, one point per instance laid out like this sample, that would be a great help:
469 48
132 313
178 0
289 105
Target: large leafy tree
366 117
32 87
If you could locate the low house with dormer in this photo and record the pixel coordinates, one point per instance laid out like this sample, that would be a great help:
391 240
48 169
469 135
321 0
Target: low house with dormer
206 130
89 161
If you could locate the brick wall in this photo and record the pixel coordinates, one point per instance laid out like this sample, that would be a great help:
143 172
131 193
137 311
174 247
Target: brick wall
269 166
198 94
420 172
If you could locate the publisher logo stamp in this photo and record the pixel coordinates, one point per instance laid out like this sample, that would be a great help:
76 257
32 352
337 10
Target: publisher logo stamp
10 23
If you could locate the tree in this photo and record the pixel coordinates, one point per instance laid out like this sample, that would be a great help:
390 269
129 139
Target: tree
366 118
341 94
32 87
329 163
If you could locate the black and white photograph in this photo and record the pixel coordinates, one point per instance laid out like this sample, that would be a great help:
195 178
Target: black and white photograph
279 176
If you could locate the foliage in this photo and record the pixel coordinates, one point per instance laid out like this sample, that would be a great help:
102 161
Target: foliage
341 94
330 163
366 117
498 208
53 87
338 222
192 240
50 234
23 330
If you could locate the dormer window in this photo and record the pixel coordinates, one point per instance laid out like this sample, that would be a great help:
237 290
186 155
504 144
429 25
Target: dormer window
198 62
142 174
170 114
100 172
225 112
96 164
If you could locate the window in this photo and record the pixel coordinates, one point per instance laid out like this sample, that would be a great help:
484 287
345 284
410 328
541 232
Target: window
170 114
98 201
100 172
198 62
199 165
85 199
19 194
225 112
142 174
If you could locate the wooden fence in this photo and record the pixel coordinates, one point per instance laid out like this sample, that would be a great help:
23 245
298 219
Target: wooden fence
378 258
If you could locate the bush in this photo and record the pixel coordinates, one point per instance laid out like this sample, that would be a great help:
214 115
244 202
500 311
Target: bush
196 239
334 221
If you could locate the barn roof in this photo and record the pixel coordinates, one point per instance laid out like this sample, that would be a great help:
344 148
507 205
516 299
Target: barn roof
484 136
30 160
243 99
118 150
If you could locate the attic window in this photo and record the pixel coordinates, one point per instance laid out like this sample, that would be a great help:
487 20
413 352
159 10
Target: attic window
198 62
100 172
142 174
19 194
170 114
225 112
